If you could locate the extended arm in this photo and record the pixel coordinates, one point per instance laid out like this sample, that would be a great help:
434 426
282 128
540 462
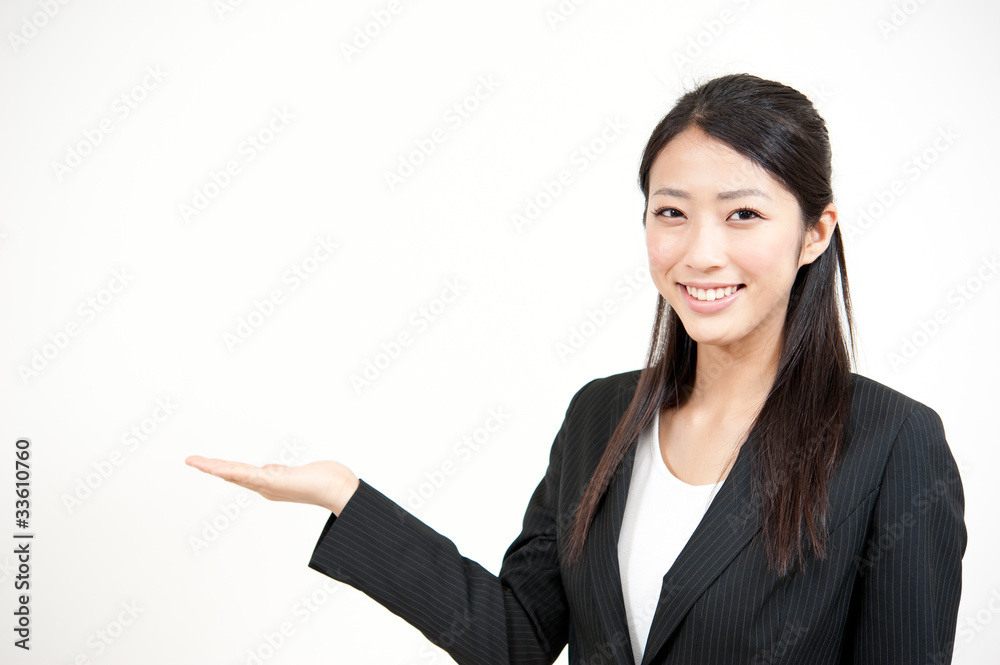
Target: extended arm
376 546
478 618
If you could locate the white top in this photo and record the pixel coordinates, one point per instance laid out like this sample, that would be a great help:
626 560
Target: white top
661 513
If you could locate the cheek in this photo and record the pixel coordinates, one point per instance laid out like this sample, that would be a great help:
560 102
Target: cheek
662 254
761 260
769 263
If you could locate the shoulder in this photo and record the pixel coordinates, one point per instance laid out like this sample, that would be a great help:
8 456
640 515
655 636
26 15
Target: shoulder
879 412
596 408
891 435
606 390
591 418
898 445
894 447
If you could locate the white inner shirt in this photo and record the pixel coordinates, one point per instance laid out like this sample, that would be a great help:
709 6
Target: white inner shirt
661 513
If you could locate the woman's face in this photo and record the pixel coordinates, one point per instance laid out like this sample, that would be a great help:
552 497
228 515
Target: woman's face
717 221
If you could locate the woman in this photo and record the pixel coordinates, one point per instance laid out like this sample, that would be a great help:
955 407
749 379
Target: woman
744 498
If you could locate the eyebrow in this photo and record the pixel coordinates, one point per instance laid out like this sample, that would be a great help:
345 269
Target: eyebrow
722 196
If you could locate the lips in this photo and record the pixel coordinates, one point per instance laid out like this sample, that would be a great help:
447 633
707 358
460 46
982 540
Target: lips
712 292
707 306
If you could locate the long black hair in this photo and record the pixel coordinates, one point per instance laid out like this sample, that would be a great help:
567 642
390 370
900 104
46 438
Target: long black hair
801 427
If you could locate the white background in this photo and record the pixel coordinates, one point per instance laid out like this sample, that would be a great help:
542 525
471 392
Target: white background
126 536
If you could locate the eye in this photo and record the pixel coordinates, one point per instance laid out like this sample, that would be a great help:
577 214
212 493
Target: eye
749 212
745 214
659 211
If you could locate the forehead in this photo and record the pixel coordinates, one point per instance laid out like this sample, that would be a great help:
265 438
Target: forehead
695 162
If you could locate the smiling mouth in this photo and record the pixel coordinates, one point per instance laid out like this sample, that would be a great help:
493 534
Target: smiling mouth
709 295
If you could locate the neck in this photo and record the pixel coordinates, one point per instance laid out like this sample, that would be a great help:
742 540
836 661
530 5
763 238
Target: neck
732 384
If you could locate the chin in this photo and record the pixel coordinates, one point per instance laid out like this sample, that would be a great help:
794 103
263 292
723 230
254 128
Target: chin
704 335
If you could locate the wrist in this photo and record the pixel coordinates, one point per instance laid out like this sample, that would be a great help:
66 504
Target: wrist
343 491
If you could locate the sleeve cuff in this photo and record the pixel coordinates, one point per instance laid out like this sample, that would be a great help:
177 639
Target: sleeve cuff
369 526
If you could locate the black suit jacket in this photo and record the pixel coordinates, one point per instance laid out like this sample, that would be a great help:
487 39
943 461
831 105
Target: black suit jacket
887 593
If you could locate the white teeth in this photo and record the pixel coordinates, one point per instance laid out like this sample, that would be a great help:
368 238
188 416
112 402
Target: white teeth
709 295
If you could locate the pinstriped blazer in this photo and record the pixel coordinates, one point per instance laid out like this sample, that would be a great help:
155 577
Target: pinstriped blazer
888 591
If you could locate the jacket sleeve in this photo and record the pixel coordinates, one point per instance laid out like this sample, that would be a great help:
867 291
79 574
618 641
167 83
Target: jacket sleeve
520 616
910 577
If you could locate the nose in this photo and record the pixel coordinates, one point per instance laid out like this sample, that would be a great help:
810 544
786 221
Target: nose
705 246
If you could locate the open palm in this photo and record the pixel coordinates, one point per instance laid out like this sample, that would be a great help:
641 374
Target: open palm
327 484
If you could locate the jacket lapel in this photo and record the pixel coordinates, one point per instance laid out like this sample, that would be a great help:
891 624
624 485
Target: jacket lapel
608 593
728 525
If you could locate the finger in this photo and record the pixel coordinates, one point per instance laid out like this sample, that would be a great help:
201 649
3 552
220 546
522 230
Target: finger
236 472
199 462
206 464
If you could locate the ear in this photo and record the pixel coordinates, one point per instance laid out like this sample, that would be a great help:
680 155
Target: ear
818 238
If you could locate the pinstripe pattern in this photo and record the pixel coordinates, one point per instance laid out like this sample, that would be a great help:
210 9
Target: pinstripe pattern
887 593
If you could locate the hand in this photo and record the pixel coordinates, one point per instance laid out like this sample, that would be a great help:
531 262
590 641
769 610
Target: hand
325 484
